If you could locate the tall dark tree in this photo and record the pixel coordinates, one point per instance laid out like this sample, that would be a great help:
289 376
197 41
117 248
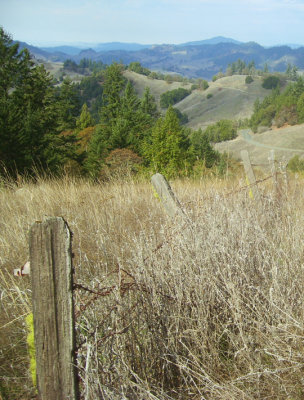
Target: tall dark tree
113 86
68 106
123 123
203 149
29 136
148 104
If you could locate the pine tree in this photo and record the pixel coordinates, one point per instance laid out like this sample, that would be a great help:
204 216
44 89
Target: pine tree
148 104
68 106
168 150
85 119
28 114
203 149
112 88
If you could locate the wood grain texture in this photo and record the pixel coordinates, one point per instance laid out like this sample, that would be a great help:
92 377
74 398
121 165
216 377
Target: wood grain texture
168 198
52 296
250 176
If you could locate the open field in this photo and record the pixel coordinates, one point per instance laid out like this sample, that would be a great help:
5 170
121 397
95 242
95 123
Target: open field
286 141
215 311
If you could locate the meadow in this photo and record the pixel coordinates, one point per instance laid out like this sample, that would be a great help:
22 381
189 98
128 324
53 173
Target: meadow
214 310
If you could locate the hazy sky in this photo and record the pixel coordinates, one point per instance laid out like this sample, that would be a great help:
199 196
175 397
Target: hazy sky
48 22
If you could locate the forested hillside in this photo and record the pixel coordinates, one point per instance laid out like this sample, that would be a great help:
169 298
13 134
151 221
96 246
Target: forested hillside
93 128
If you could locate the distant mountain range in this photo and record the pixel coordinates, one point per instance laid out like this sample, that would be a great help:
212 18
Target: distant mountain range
202 58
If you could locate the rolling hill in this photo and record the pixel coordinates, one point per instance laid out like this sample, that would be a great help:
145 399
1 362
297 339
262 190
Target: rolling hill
231 98
286 142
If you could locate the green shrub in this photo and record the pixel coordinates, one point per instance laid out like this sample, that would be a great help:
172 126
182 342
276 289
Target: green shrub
248 79
209 95
221 131
271 82
296 164
173 96
139 69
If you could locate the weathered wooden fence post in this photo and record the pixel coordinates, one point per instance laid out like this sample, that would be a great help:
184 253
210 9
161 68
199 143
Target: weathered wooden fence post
168 198
254 190
52 294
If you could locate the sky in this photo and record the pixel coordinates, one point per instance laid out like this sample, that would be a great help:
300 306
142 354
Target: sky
54 22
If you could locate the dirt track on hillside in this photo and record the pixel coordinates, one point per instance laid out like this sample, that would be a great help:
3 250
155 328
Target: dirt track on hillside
286 142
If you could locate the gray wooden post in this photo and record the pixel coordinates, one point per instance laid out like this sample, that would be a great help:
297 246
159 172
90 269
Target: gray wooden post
254 190
52 296
168 198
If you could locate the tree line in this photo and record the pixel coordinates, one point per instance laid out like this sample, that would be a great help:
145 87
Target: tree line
95 126
279 108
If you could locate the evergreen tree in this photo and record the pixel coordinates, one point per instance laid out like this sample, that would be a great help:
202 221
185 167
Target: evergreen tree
123 122
148 104
68 106
85 119
203 149
112 88
28 112
168 151
98 149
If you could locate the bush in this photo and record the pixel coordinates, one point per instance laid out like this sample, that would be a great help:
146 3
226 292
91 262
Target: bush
121 163
209 95
139 69
248 79
296 164
271 82
183 117
221 131
173 96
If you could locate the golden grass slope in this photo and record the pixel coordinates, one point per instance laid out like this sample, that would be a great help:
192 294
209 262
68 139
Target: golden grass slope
286 142
213 312
231 97
157 86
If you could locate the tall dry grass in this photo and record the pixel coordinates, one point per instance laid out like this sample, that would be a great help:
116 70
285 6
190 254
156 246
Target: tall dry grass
211 311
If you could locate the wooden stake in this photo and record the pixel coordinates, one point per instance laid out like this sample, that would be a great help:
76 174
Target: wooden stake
52 295
253 191
168 198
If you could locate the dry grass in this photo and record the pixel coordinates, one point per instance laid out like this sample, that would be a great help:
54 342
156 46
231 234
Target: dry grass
157 86
231 99
211 311
289 138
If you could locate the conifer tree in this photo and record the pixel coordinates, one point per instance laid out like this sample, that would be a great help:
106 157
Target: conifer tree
28 114
85 119
203 149
123 123
168 150
113 86
148 104
68 106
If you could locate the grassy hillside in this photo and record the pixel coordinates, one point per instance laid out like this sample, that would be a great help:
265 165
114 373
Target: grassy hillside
157 87
231 98
287 142
213 312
